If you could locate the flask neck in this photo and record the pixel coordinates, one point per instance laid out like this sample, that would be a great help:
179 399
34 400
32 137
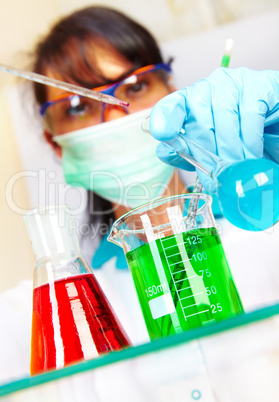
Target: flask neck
59 266
219 168
52 231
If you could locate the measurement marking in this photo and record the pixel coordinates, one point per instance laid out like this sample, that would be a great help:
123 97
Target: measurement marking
179 290
191 305
200 312
174 245
189 277
187 297
173 279
194 276
178 262
164 239
180 280
178 272
172 255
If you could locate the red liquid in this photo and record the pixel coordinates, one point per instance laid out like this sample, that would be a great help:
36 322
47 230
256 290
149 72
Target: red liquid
72 320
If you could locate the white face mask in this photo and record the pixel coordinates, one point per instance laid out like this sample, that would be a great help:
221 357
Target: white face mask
116 160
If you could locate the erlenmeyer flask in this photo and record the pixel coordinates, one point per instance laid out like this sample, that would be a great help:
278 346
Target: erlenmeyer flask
247 190
72 319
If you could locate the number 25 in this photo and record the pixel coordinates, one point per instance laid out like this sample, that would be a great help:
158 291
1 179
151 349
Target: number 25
216 308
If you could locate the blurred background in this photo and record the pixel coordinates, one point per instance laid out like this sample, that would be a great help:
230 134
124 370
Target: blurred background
193 31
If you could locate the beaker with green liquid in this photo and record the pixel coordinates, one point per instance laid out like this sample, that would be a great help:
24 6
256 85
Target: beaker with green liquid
179 268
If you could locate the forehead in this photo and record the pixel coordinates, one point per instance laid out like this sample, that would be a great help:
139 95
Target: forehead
109 63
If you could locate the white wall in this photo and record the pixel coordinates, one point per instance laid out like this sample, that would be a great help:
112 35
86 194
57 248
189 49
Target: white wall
20 22
175 18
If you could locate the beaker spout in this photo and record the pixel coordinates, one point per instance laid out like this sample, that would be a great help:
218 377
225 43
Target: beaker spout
114 237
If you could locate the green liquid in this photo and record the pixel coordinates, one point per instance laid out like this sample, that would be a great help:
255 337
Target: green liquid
183 282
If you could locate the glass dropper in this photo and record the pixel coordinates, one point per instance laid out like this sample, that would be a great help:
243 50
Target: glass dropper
42 79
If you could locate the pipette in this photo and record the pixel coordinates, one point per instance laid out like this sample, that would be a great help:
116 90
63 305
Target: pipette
227 53
42 79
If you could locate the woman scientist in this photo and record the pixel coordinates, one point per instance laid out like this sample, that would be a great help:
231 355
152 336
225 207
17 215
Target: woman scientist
102 147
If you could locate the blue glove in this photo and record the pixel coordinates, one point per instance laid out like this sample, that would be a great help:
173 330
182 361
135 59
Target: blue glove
234 113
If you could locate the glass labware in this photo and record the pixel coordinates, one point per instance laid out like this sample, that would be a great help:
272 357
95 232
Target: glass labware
248 190
179 268
72 319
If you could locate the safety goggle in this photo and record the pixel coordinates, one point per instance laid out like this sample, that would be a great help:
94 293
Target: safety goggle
110 89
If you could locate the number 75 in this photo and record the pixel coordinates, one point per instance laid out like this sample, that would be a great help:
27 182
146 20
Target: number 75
205 272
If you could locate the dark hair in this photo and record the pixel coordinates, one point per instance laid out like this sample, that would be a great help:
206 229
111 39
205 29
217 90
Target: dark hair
66 48
69 46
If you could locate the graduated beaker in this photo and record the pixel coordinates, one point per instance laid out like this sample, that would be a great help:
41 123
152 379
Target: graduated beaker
179 268
72 319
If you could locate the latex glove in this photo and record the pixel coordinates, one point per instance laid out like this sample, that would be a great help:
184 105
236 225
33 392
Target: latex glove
233 113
